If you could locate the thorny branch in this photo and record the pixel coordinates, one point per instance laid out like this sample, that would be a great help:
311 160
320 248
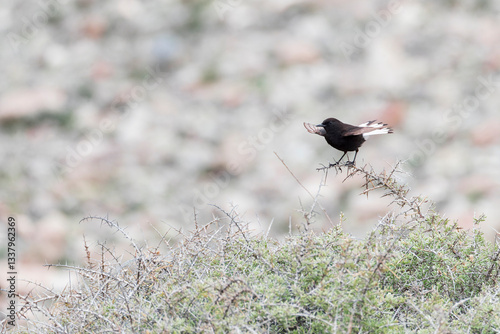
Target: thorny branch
385 181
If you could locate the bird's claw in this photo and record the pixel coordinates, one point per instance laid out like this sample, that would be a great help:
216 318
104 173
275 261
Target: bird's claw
330 165
336 165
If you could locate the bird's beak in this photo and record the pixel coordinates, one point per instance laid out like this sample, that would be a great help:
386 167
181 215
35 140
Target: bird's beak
320 126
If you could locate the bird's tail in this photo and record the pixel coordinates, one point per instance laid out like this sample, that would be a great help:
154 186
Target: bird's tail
379 128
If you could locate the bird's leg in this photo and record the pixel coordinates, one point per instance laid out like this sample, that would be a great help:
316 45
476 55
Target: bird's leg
351 163
338 162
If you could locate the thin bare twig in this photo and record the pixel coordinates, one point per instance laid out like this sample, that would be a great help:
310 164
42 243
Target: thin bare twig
314 198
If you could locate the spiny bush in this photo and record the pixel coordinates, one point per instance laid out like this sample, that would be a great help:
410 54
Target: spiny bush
415 272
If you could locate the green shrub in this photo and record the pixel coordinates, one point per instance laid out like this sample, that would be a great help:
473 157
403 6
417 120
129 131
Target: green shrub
415 272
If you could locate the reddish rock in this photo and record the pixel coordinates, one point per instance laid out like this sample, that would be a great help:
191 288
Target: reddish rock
393 114
31 101
94 27
296 52
101 70
476 185
486 133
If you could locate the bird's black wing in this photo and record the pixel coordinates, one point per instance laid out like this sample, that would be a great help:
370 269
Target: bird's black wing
351 130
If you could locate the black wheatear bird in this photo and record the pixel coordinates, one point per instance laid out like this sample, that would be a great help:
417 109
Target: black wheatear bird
346 137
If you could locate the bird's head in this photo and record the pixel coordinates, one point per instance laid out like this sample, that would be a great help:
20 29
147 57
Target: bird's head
329 123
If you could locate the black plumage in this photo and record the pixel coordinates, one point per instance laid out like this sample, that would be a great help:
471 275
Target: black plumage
345 137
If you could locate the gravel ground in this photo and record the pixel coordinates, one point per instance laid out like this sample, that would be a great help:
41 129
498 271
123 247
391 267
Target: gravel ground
143 110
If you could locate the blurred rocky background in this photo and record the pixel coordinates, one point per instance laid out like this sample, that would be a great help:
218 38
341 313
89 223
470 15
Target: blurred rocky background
147 112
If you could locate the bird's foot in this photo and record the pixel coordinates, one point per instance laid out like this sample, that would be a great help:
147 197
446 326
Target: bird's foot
330 165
